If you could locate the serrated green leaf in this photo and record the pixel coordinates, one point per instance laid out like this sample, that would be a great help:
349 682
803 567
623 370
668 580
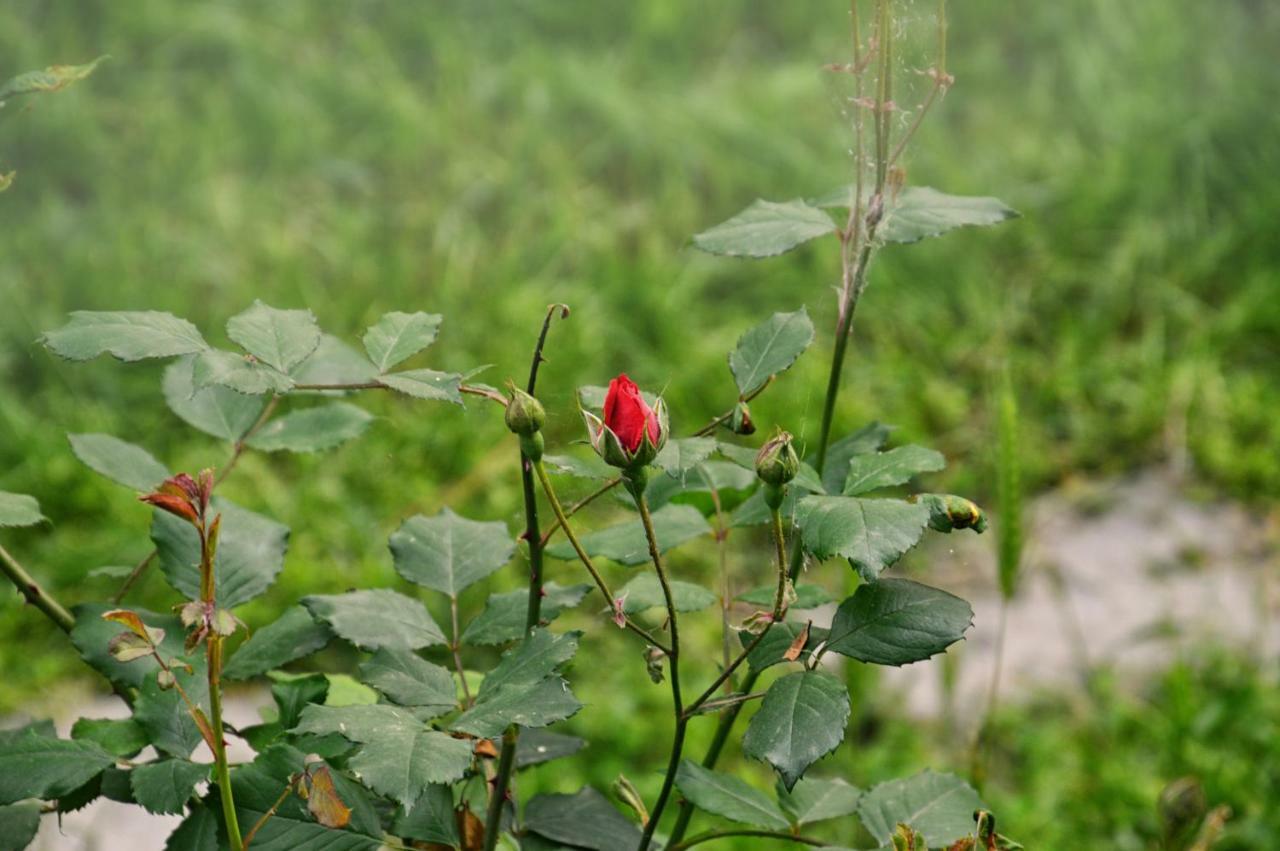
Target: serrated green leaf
530 661
585 819
128 335
426 384
807 596
55 78
884 469
765 229
777 640
281 339
871 533
625 543
377 618
815 800
922 212
728 796
536 705
218 411
504 615
800 720
240 373
18 825
897 622
448 552
18 509
870 438
123 737
294 694
591 467
644 592
938 806
398 336
536 746
164 787
409 680
431 819
91 635
198 831
334 362
165 716
118 460
33 766
770 348
398 756
291 636
250 555
312 429
681 455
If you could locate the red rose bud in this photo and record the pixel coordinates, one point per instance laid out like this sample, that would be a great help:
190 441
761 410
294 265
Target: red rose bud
631 433
176 505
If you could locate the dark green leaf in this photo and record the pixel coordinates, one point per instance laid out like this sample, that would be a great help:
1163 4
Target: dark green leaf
120 736
626 543
536 746
43 727
198 831
728 796
250 554
426 384
939 806
897 622
807 596
869 438
431 818
377 618
409 680
293 694
871 533
91 635
217 411
18 509
801 719
129 335
681 455
504 615
645 592
766 228
291 636
818 800
535 705
164 715
312 429
130 465
237 372
18 825
33 766
281 339
895 467
922 212
584 820
448 552
590 467
398 336
398 756
776 642
165 786
530 661
770 348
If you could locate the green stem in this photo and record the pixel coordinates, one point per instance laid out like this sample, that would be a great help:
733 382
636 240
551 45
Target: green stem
34 593
673 674
222 773
727 832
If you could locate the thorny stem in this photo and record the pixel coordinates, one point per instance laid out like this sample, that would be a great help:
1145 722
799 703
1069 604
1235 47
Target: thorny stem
673 674
533 614
710 427
711 835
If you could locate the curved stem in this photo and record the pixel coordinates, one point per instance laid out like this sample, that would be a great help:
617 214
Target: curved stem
34 593
673 674
711 835
580 504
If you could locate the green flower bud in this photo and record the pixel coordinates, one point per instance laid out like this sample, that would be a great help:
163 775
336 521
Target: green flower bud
777 462
525 414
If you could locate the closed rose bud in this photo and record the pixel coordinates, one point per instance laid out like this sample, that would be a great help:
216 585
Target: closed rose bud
631 433
777 462
525 414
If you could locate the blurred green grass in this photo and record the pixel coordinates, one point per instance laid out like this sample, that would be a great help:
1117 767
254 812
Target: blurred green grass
483 159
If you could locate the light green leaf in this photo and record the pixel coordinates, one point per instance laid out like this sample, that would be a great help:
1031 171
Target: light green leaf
770 348
18 509
448 552
818 800
897 622
801 720
291 636
645 592
18 822
128 335
504 615
120 736
728 796
807 596
871 533
398 756
294 694
885 469
240 373
6 180
33 766
922 212
281 339
426 384
165 786
869 438
214 410
398 336
681 455
377 618
536 705
765 229
312 429
55 78
126 463
585 820
334 362
777 641
250 555
626 543
409 680
938 806
591 467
